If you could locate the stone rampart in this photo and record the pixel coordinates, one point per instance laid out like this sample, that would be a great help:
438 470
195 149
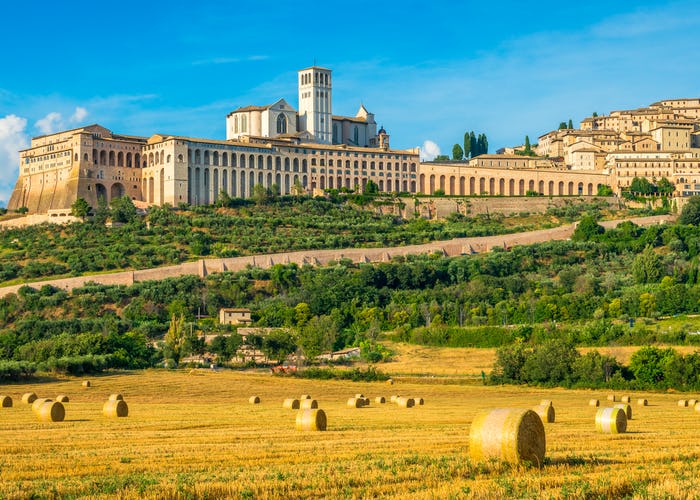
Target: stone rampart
459 246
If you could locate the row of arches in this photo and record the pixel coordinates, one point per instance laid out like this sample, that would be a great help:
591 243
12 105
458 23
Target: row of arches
204 184
260 162
388 186
112 158
466 186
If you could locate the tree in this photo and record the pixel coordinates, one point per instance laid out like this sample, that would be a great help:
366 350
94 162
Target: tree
473 147
562 126
570 125
646 267
297 188
123 209
467 145
175 338
604 190
223 199
318 335
595 114
371 188
527 143
457 152
587 229
80 208
665 187
641 185
442 158
690 214
261 195
102 212
278 344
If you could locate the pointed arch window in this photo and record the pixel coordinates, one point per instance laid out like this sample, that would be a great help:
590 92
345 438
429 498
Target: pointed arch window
281 124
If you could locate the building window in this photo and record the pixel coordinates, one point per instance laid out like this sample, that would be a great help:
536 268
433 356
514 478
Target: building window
281 124
356 135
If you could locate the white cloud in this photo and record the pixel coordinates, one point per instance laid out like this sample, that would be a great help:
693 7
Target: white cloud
429 150
13 137
53 122
78 115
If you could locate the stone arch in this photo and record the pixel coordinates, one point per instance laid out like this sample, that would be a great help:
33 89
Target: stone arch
117 191
421 184
111 159
511 187
521 187
571 188
207 186
101 192
120 159
501 187
561 188
442 183
472 185
242 183
550 188
431 189
540 187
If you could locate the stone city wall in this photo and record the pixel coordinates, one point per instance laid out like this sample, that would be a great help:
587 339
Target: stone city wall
460 246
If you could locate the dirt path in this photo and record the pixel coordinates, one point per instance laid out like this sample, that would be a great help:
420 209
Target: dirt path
451 248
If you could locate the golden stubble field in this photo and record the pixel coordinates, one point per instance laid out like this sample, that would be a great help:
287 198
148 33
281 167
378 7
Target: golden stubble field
194 435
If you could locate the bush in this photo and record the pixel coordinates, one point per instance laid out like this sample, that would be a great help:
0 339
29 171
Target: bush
77 365
371 374
16 370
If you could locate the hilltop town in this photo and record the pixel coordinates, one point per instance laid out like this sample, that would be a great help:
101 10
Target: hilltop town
309 150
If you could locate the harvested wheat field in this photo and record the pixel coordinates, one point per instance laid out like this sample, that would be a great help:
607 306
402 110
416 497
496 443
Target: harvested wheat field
195 435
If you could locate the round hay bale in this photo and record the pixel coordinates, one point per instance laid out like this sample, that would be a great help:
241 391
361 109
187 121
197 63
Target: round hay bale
115 408
366 401
62 398
406 402
642 402
380 400
419 401
545 412
390 381
38 402
311 420
86 383
291 404
683 402
5 401
355 403
28 398
393 399
594 402
611 421
611 397
254 400
692 402
115 397
697 406
305 396
546 402
51 411
625 399
513 435
627 408
308 404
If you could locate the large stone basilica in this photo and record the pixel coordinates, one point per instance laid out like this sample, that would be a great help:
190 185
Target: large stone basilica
274 146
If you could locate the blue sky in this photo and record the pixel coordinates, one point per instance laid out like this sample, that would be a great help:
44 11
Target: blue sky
428 70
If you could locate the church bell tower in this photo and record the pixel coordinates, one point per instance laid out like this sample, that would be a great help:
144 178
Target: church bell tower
315 97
